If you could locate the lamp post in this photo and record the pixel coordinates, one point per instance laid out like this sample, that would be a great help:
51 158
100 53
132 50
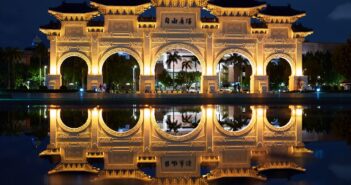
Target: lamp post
134 80
45 75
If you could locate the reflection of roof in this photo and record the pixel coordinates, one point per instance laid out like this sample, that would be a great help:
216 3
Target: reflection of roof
74 167
121 2
51 152
281 11
280 166
124 174
73 8
236 3
180 181
218 173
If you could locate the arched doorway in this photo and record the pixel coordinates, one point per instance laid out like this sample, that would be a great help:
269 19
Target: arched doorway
178 70
278 116
121 120
234 118
74 71
234 73
120 74
74 118
279 72
178 121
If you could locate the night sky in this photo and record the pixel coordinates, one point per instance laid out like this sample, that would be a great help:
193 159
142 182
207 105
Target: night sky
20 19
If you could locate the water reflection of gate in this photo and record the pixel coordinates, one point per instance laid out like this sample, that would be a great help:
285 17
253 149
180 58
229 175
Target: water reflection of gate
226 153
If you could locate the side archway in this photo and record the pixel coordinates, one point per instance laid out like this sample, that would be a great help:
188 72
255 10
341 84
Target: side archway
285 56
113 51
186 136
71 129
73 54
105 126
278 125
174 46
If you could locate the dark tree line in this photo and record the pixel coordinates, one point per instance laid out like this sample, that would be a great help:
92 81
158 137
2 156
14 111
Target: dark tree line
16 74
336 122
329 68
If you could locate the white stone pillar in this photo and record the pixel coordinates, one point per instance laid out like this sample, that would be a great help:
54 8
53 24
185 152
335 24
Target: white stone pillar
53 79
94 55
53 126
209 84
147 116
209 116
259 79
147 84
298 81
298 110
94 81
260 113
94 128
53 68
259 84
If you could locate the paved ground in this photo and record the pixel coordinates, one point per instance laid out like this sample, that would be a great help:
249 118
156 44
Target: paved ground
117 99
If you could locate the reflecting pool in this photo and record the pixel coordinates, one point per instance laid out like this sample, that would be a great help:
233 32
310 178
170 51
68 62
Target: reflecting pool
181 145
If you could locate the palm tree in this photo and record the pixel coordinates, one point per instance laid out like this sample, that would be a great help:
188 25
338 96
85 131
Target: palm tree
172 125
195 61
235 59
186 65
11 56
196 121
173 58
186 118
240 119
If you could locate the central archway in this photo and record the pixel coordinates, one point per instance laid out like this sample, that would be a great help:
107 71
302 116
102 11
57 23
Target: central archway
178 121
178 70
120 120
235 69
121 72
235 119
